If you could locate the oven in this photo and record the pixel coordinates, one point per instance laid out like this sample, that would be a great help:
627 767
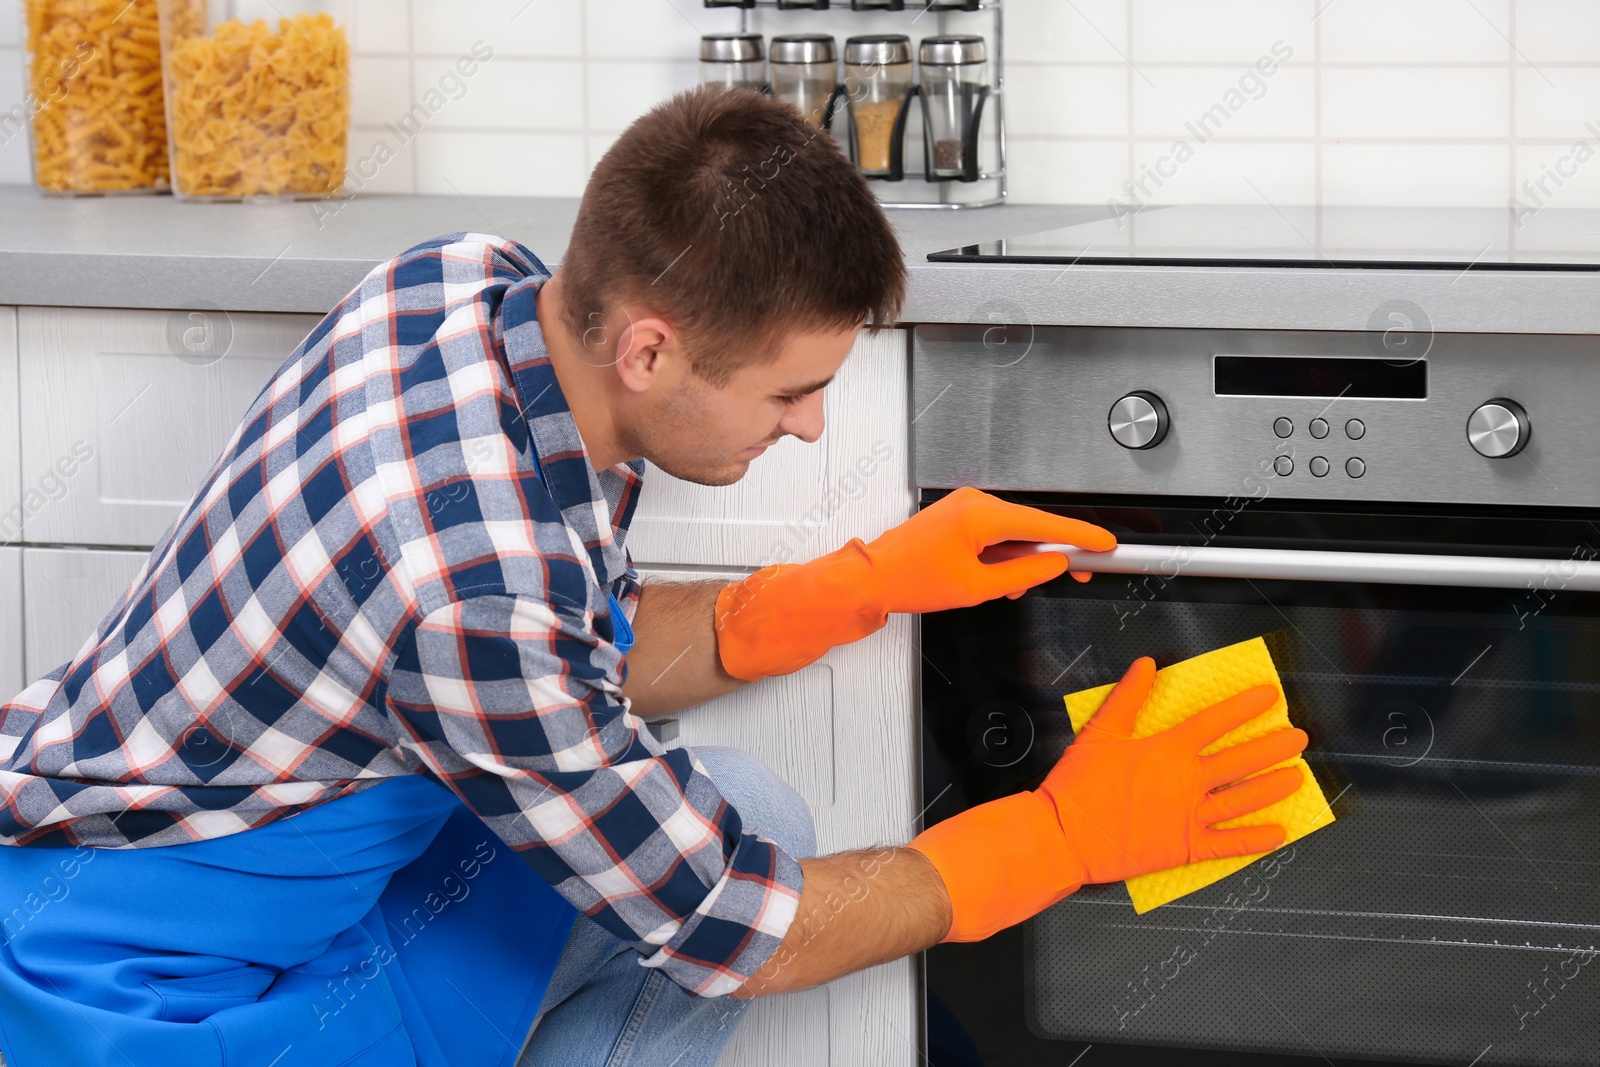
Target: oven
1418 540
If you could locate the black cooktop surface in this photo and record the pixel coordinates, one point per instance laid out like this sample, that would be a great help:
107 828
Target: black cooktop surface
1518 237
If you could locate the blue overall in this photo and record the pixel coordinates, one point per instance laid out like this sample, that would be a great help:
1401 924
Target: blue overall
390 927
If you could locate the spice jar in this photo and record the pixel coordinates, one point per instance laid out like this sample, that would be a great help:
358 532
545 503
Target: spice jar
256 107
877 77
804 73
733 60
954 83
94 96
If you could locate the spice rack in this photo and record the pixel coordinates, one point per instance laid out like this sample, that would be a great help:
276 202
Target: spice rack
907 184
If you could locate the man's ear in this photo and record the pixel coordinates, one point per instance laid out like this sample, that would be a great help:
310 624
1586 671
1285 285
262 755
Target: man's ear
646 347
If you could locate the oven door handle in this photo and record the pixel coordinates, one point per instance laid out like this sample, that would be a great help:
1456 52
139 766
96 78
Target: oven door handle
1390 568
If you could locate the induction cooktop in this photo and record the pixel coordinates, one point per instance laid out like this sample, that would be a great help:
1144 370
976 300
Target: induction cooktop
1432 238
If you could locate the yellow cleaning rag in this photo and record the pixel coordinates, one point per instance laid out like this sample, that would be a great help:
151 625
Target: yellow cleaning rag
1181 691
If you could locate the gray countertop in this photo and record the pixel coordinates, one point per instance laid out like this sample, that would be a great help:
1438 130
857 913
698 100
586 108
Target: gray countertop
156 252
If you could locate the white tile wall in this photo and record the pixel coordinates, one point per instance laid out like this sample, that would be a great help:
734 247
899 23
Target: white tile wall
1380 101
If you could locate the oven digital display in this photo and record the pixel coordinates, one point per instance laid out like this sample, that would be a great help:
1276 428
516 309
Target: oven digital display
1376 379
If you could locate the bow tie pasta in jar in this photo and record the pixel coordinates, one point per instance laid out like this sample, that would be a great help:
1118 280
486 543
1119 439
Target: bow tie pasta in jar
93 98
256 106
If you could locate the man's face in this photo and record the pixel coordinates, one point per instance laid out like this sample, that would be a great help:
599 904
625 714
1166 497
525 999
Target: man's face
708 434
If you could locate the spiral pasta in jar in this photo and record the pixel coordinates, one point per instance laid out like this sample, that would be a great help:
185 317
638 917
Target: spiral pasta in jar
94 96
255 108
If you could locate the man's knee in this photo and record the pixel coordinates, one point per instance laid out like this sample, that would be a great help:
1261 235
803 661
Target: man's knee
767 805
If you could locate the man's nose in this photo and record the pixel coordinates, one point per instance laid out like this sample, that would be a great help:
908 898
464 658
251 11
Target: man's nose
805 419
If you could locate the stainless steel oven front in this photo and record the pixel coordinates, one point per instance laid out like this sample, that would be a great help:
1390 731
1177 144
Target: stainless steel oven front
1417 535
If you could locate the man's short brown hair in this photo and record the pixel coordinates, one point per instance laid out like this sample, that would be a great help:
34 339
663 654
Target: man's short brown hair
726 212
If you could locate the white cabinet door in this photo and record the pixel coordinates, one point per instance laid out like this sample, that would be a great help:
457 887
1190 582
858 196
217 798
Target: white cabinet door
841 732
798 500
10 432
67 593
124 412
11 680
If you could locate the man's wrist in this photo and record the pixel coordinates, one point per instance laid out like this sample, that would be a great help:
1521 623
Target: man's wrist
784 617
1001 862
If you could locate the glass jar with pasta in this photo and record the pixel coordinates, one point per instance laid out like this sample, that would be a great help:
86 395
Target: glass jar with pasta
93 98
257 97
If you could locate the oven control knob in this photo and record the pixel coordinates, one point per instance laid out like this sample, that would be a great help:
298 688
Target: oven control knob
1138 420
1498 428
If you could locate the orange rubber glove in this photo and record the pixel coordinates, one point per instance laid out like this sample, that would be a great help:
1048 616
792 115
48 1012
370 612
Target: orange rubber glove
1114 807
783 617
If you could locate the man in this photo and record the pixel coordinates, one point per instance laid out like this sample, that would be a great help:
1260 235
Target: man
396 638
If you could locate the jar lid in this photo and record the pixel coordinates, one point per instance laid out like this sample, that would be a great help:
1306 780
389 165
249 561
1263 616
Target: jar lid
953 49
883 48
730 47
802 48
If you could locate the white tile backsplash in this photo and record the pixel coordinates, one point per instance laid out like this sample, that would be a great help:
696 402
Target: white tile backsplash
1083 31
545 29
1220 172
1556 102
508 94
1557 31
1225 103
1556 176
1381 101
651 29
381 161
380 89
503 164
1416 175
382 27
1066 101
1415 31
1067 172
1421 104
1216 31
616 87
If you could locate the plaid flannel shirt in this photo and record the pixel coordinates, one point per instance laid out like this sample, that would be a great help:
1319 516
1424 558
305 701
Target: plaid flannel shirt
403 563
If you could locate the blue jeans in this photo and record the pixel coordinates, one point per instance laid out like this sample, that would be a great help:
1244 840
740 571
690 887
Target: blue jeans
606 1010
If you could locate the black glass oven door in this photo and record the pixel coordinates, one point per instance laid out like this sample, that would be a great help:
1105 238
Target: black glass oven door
1451 915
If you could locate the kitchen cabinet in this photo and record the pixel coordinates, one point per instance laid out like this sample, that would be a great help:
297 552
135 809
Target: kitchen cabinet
68 591
841 732
11 680
124 412
10 432
799 500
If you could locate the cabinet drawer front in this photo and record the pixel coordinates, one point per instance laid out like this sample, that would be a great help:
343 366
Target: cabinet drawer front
68 592
798 500
124 412
11 681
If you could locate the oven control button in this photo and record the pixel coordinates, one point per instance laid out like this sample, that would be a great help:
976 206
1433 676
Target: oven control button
1355 429
1319 428
1282 427
1498 428
1284 466
1355 467
1138 420
1319 466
